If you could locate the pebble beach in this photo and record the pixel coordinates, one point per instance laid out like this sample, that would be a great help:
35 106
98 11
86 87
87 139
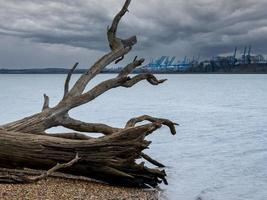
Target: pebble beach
64 189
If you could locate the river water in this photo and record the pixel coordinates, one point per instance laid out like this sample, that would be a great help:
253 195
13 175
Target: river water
220 150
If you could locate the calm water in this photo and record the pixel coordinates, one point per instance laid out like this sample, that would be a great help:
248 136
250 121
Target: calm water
220 151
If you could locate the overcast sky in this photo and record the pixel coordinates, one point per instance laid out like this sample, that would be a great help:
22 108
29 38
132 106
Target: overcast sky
57 33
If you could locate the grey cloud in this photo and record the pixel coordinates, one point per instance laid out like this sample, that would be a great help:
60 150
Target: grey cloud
205 27
55 22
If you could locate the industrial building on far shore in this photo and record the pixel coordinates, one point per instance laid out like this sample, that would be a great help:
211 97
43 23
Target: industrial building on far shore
244 62
247 62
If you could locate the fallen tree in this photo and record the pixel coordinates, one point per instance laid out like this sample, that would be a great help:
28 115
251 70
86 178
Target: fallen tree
111 158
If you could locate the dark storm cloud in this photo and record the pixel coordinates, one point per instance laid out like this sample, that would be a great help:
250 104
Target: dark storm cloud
74 23
175 27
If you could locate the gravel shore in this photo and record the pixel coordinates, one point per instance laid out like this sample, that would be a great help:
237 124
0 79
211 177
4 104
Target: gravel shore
57 188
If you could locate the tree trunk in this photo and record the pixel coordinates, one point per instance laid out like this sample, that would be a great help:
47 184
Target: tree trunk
111 158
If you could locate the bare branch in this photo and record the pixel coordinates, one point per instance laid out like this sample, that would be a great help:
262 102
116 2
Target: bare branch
72 136
46 102
18 178
132 122
123 81
77 125
66 88
14 175
151 160
80 85
55 168
119 49
115 42
130 67
117 18
149 77
116 172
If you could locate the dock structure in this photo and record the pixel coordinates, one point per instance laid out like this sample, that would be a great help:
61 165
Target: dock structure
221 63
167 63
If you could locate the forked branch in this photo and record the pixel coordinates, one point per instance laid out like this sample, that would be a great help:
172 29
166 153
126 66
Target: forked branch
55 168
107 59
8 177
122 80
118 49
114 41
130 67
132 122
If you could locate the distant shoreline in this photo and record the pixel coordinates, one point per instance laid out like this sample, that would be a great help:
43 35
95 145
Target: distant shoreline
81 71
40 71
